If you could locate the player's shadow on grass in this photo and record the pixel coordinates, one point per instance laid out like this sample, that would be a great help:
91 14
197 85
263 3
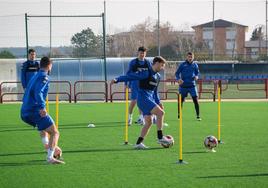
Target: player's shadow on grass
27 163
96 150
235 176
194 152
16 130
6 126
93 150
25 153
71 126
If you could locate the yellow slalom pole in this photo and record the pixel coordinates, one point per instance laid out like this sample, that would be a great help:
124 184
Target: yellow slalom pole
126 125
47 105
219 113
180 133
47 109
57 110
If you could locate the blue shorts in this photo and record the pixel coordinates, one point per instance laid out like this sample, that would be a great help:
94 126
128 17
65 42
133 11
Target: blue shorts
146 104
184 91
34 119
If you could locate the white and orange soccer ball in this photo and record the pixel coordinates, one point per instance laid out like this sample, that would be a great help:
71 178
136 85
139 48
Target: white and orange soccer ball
171 142
57 152
211 142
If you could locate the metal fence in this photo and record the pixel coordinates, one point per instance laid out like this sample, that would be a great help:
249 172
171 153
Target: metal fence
83 79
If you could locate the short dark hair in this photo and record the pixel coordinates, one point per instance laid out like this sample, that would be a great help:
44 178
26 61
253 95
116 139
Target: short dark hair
190 53
159 59
45 61
31 50
142 49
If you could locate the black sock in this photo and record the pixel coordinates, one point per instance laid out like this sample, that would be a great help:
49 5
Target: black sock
159 134
196 105
140 139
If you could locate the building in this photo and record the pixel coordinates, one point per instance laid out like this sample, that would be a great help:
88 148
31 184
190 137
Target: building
229 37
255 49
126 43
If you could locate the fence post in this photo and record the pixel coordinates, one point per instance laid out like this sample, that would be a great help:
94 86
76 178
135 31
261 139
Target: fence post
266 88
200 88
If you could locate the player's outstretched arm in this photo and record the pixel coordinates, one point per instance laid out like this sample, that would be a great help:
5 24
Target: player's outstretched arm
140 75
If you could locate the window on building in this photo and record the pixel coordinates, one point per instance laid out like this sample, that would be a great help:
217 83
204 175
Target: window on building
230 44
209 43
207 33
254 53
230 33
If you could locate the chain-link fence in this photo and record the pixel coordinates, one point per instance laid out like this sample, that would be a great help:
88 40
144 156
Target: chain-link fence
130 24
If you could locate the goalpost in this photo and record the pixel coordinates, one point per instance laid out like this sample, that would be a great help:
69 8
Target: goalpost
102 15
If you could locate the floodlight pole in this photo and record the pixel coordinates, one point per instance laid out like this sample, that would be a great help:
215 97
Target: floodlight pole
104 11
213 18
266 20
158 27
104 49
26 30
50 29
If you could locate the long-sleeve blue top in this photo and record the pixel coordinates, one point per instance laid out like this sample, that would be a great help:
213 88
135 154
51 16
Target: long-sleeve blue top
187 72
28 70
36 92
150 80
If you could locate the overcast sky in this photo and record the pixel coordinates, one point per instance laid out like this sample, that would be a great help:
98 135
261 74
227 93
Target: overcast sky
121 15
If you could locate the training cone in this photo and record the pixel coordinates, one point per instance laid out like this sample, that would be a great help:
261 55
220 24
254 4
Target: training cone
90 125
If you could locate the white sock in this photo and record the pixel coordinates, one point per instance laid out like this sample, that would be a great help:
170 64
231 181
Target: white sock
45 140
141 117
129 116
50 153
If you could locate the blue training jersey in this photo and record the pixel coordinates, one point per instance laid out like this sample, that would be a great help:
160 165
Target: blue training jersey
36 92
148 81
28 70
187 71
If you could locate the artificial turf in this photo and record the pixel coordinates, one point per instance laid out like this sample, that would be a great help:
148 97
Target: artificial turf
97 157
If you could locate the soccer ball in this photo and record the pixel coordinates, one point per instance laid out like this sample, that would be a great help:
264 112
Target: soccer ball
210 142
57 152
171 142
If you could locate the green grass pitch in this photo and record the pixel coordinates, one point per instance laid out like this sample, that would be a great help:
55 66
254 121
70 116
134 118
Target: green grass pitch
96 157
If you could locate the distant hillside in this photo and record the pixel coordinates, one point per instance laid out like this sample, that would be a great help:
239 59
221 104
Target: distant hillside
20 52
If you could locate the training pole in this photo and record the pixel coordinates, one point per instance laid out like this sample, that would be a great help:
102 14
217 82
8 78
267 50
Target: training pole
126 118
180 134
47 104
219 112
57 110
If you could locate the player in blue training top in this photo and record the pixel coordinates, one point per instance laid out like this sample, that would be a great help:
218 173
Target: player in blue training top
148 99
137 64
33 110
187 75
29 68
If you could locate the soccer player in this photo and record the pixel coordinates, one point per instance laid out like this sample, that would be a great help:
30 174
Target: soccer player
29 68
33 111
137 64
148 98
187 75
